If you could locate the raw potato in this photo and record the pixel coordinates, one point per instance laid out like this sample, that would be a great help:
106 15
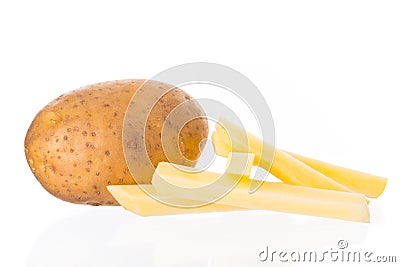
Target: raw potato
135 200
299 170
284 166
370 185
144 200
270 196
74 144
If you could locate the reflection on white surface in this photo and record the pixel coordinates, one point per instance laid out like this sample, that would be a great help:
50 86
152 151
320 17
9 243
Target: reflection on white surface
110 236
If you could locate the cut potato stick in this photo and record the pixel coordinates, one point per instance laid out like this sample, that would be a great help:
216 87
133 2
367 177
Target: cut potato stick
284 167
219 146
170 180
367 184
135 200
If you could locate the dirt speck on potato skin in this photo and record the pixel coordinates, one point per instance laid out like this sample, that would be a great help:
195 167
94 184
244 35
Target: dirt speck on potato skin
74 144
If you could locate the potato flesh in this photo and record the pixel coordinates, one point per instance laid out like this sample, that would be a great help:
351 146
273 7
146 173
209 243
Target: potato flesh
270 196
294 169
284 166
370 185
135 200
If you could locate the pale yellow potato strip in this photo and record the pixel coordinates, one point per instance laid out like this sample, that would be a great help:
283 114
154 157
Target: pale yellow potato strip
133 199
285 167
367 184
270 196
223 150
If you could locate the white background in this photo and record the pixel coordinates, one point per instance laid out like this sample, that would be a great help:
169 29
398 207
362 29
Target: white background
329 70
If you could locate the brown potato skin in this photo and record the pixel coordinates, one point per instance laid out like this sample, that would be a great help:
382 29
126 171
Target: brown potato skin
74 144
